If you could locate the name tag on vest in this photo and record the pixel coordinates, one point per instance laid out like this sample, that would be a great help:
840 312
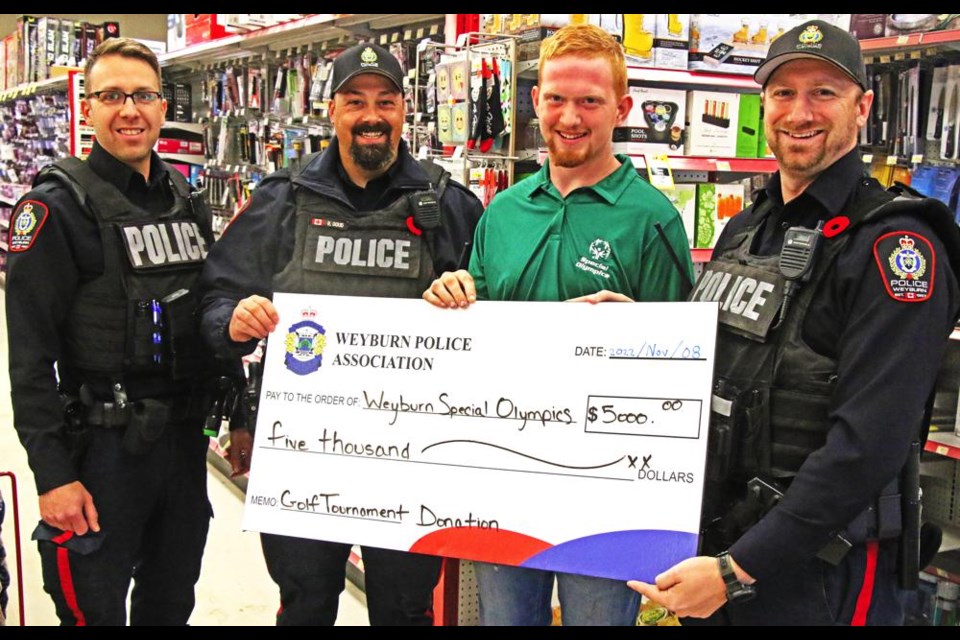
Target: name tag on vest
369 252
162 244
749 297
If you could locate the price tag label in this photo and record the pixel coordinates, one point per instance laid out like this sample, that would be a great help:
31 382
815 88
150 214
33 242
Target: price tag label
434 29
658 170
891 160
900 56
884 59
904 39
383 38
723 165
868 158
408 34
419 33
395 36
942 450
916 158
915 55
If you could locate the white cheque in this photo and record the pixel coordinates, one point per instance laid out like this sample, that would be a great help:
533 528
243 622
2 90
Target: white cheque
553 435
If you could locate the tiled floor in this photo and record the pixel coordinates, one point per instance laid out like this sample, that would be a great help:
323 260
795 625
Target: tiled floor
234 587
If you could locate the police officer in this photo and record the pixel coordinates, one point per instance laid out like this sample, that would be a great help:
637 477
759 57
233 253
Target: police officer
104 359
362 218
836 299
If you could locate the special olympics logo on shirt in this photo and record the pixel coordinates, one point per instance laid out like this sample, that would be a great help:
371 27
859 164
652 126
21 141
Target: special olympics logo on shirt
304 345
600 249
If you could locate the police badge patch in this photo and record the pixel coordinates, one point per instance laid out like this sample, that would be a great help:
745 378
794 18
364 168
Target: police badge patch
906 261
26 223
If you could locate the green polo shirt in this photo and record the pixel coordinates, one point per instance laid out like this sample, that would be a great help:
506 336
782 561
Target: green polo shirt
534 244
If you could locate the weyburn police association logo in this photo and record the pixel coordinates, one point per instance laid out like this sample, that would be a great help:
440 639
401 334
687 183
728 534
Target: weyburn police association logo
304 344
906 262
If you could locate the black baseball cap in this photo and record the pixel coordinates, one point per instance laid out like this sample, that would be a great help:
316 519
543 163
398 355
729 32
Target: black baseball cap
366 58
819 40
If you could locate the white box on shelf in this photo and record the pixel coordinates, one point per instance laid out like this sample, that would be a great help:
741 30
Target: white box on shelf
712 123
735 43
655 124
671 46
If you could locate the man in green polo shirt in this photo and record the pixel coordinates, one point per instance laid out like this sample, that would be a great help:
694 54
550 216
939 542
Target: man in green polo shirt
584 228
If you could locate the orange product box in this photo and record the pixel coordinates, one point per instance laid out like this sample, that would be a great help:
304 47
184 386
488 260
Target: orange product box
201 27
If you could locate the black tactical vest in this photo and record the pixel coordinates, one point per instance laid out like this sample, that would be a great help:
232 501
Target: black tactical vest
337 251
117 320
772 391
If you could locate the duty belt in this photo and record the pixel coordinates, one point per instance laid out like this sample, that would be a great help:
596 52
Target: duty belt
117 414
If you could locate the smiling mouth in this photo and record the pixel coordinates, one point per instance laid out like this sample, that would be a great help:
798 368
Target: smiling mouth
130 132
571 136
805 135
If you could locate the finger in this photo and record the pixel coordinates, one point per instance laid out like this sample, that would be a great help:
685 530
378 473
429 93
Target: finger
90 511
667 579
447 289
645 589
438 296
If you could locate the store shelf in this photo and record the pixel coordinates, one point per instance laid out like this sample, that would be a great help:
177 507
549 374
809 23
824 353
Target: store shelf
312 29
910 41
10 192
31 88
701 255
527 69
698 78
703 163
944 443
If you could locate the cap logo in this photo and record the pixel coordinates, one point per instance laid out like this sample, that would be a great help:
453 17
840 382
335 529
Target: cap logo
811 36
368 58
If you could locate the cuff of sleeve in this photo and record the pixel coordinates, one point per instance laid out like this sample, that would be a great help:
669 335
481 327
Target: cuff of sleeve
55 474
775 544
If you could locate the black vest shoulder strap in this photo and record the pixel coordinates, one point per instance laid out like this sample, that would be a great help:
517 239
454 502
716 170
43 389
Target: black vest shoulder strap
439 177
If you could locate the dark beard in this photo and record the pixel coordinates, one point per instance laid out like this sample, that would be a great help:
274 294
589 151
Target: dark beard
372 157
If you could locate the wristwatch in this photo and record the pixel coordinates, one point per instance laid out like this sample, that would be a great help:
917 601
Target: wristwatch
736 590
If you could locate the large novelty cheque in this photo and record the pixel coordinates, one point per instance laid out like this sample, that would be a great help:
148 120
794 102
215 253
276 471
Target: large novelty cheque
553 435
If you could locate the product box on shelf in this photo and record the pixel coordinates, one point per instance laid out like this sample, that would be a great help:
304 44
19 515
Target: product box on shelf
749 126
684 198
712 123
655 124
203 27
176 31
864 26
716 204
938 100
735 43
897 24
639 32
671 46
951 114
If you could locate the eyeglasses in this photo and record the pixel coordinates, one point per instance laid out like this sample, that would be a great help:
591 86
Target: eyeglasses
113 98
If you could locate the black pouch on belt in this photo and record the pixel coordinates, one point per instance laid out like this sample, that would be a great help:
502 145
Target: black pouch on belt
148 420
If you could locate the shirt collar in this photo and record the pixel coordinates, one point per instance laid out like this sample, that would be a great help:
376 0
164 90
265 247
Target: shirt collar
119 173
832 188
610 188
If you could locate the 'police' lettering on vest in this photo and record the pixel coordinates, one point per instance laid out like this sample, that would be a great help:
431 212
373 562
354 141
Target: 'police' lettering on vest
385 253
749 297
160 244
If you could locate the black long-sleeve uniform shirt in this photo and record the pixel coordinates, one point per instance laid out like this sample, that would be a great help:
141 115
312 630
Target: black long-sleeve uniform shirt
888 353
259 241
42 281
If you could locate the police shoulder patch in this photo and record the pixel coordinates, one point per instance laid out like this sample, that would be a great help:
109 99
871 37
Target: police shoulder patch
906 261
25 224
